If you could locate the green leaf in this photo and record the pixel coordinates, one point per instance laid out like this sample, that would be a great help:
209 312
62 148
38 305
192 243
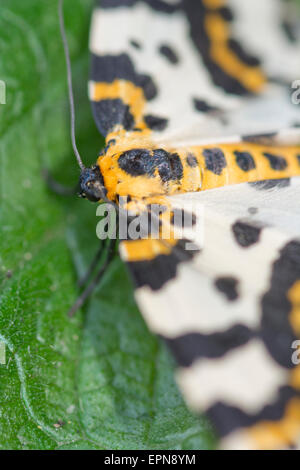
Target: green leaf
99 380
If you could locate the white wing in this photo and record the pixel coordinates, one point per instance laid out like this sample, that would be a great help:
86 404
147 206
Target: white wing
231 313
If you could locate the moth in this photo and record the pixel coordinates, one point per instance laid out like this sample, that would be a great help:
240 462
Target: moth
194 98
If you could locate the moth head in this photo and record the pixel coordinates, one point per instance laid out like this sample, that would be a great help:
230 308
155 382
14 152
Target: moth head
91 184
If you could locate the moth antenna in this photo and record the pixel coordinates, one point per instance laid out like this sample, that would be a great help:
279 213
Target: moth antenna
70 84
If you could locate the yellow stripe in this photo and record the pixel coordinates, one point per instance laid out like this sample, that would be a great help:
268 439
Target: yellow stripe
252 78
129 93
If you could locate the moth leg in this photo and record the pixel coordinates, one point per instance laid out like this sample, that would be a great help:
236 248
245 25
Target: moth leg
86 276
93 284
56 187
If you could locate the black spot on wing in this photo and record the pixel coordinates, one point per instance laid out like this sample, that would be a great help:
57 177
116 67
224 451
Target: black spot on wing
155 123
108 68
244 160
169 53
191 160
277 163
192 346
228 286
156 272
226 13
298 158
245 234
277 331
228 418
109 112
270 184
290 31
214 160
204 107
252 210
238 50
266 138
136 44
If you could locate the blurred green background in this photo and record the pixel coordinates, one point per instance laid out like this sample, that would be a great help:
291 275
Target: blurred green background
100 380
